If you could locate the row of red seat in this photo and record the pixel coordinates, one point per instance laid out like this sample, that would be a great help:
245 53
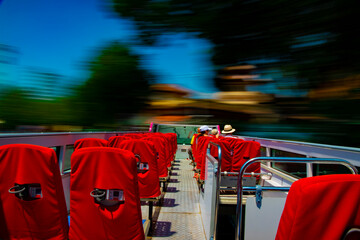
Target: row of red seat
321 207
235 152
153 152
105 190
165 145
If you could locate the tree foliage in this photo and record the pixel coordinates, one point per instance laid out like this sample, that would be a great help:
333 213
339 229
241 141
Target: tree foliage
17 109
116 89
313 40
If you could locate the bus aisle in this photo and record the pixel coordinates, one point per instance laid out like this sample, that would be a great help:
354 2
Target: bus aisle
179 217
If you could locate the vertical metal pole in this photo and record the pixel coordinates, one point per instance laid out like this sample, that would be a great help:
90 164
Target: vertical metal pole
309 168
151 205
217 197
239 202
62 158
268 154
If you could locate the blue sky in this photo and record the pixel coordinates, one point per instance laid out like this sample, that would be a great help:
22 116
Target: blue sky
59 36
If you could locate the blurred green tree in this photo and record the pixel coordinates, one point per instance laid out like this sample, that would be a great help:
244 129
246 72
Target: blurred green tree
17 109
116 89
14 108
312 40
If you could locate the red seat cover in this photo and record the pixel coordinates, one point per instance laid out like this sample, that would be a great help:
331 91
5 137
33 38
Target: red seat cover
243 151
174 142
194 146
90 142
194 142
134 135
214 149
44 218
115 141
104 168
321 208
168 150
232 141
226 158
197 149
226 154
110 138
202 147
149 185
159 144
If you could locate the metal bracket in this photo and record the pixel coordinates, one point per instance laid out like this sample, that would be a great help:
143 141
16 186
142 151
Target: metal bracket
258 195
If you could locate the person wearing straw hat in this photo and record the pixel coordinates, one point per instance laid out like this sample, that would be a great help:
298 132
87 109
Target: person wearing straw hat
228 131
215 133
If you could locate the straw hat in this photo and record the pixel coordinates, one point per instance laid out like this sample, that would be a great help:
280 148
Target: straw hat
214 131
228 129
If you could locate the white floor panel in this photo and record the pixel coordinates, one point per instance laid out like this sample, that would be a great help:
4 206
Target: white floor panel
179 217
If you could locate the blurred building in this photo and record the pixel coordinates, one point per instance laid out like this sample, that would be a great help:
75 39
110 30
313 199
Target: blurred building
234 96
345 88
40 84
8 65
172 103
237 78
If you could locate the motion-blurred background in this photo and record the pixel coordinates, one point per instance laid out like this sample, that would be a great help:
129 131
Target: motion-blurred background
285 69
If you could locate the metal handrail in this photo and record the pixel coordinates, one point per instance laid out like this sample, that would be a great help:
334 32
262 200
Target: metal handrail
38 134
218 180
247 174
327 146
277 159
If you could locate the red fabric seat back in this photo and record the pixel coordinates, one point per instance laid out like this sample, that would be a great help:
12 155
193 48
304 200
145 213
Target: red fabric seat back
242 152
148 134
115 141
133 135
232 141
322 207
213 149
170 148
90 142
43 218
226 153
197 149
149 186
202 147
111 138
159 144
104 168
174 142
194 145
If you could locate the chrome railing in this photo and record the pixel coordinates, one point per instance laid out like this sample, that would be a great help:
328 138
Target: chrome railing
309 150
240 187
54 139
